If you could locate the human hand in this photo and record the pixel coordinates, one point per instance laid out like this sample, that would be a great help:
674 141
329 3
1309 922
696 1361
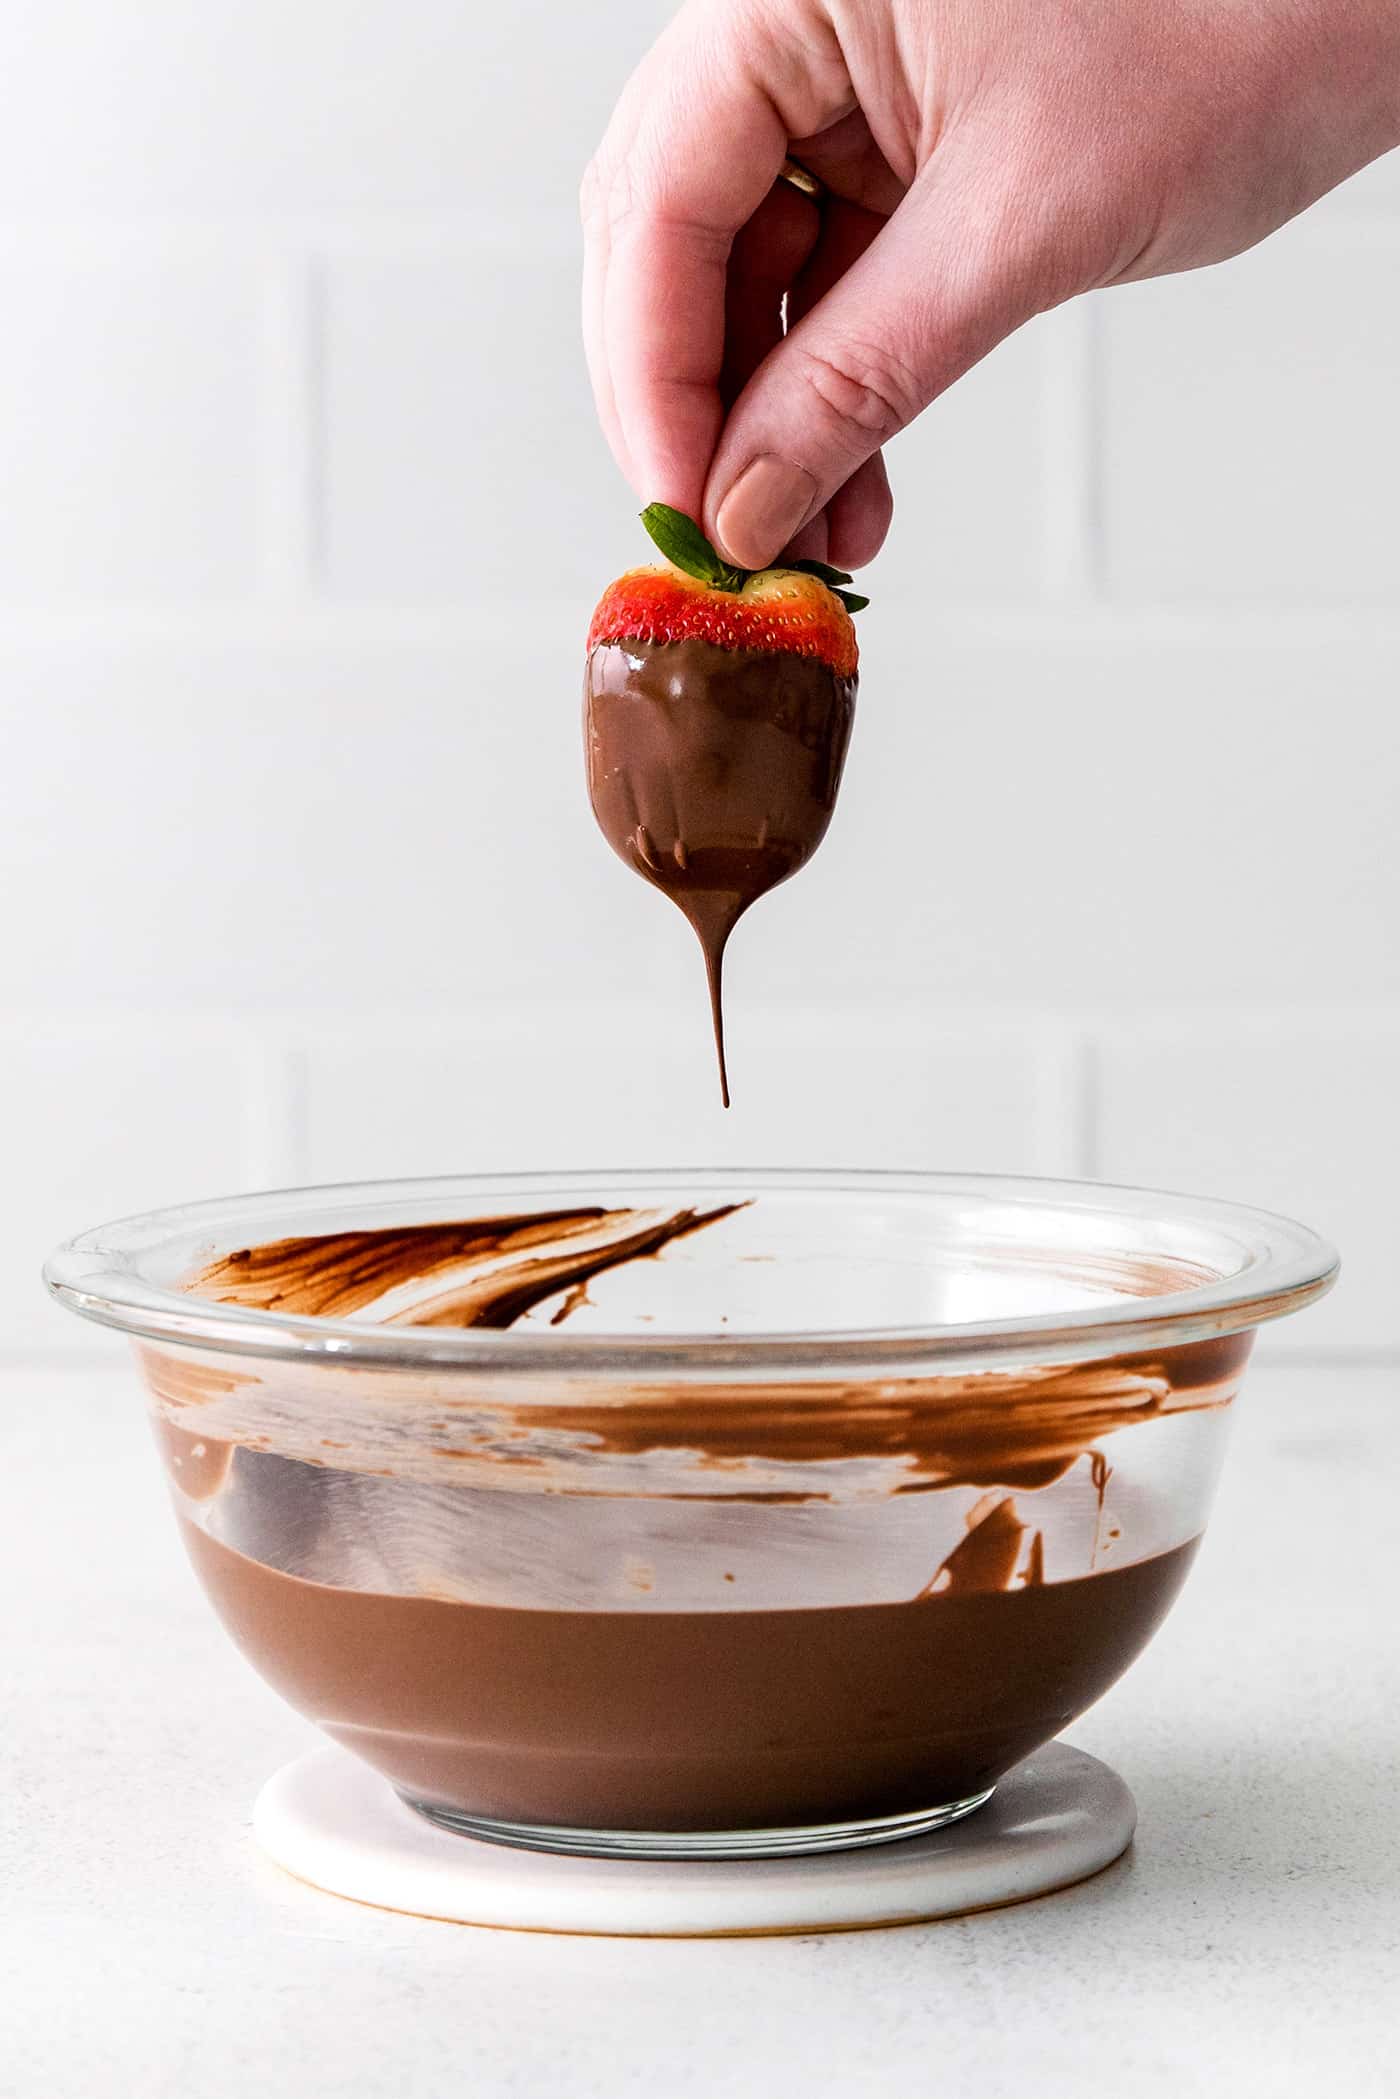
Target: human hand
984 162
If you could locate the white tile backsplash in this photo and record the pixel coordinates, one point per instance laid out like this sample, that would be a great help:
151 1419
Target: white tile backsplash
633 1084
1287 1111
462 460
128 430
103 1119
1250 428
1075 815
1058 820
382 105
969 482
346 825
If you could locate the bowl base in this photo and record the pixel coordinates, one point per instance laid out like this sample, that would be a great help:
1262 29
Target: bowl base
699 1843
1056 1819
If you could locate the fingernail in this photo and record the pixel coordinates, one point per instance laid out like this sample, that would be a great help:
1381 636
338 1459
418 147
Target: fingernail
763 509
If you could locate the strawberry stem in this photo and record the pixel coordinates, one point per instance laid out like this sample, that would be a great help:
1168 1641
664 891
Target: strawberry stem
686 548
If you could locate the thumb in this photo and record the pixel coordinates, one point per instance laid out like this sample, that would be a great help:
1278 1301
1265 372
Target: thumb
944 281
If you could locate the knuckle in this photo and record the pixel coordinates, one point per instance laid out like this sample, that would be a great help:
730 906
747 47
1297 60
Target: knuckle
867 392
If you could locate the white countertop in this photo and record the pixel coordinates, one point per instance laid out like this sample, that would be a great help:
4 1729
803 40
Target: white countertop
1249 1943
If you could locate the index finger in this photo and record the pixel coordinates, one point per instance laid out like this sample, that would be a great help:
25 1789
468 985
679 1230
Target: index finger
693 148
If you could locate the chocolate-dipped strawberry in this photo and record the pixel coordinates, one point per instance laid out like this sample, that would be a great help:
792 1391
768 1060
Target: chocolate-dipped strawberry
717 710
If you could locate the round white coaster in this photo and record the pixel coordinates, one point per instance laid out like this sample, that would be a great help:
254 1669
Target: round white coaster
1054 1820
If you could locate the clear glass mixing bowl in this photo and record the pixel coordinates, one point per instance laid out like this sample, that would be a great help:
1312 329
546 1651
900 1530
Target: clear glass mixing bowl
693 1514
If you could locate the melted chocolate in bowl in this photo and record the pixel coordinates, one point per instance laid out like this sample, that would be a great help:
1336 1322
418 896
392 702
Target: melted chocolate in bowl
691 1720
676 1606
713 773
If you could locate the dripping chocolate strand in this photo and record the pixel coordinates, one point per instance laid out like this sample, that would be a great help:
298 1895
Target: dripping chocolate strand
713 773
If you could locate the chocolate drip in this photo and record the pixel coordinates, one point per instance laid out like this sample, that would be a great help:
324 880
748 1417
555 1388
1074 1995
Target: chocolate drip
575 1297
987 1556
713 773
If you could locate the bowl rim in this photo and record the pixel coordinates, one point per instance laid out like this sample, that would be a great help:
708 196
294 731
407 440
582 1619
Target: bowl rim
1287 1265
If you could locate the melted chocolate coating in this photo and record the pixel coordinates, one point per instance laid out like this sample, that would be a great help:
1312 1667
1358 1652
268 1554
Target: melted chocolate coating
713 773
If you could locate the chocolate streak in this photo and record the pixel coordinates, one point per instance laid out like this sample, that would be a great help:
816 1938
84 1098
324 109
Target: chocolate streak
335 1274
713 772
1009 1429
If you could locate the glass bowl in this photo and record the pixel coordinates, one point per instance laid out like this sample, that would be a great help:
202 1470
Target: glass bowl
693 1513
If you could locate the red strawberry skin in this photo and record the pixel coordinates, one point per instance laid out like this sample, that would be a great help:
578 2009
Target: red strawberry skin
779 611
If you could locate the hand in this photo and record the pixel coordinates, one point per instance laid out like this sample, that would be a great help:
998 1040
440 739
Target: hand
985 159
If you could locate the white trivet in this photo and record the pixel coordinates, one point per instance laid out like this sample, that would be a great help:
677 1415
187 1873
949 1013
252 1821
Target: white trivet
1054 1820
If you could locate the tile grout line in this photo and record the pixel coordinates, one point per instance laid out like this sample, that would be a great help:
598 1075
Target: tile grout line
316 297
1063 1113
275 1121
376 232
1090 1096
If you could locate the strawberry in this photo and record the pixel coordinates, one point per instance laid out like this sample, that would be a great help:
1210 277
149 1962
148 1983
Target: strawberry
718 706
797 611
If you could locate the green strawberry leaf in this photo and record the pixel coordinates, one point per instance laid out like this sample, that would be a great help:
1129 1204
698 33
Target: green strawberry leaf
822 570
852 600
686 548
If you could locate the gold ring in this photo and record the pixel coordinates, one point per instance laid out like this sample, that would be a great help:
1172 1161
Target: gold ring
802 179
